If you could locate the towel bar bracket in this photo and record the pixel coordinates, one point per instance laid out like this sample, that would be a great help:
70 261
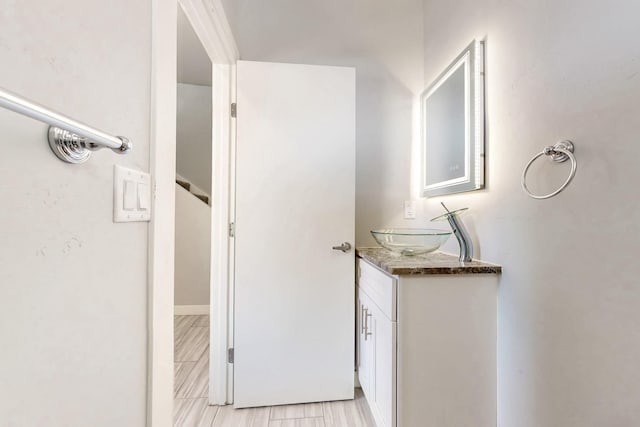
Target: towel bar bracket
72 148
70 140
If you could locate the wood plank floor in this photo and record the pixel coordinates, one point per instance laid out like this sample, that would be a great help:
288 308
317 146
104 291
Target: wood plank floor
191 383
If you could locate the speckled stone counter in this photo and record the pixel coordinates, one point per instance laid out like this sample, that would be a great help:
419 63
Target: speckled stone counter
431 263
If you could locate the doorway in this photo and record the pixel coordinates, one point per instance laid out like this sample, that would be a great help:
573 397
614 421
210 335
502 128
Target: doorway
192 269
209 23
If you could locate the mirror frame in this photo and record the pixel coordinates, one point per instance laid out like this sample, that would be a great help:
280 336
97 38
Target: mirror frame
472 59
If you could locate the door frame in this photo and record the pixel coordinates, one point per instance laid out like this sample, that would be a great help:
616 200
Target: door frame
210 24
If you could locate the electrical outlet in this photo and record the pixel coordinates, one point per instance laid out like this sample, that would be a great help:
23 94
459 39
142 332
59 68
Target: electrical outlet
409 209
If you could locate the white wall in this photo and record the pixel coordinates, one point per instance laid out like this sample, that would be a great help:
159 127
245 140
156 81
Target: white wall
73 285
568 308
194 65
193 135
569 335
384 41
193 249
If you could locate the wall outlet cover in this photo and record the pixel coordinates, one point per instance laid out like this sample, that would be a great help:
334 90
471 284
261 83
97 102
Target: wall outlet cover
410 209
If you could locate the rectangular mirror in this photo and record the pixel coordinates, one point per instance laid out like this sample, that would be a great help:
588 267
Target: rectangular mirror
453 126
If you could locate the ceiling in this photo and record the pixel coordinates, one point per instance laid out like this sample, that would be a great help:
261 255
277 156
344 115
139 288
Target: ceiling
380 35
292 30
194 65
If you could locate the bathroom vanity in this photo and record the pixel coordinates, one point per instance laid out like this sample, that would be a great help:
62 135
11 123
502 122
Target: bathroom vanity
426 339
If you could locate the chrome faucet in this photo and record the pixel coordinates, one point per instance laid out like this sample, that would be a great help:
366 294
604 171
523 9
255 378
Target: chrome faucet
457 226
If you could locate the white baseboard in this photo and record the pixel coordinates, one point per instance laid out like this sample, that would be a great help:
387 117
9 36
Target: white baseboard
184 310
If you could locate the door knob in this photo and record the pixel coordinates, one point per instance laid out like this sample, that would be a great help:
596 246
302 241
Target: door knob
345 247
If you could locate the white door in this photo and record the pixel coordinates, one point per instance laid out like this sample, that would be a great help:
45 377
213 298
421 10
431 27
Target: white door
295 196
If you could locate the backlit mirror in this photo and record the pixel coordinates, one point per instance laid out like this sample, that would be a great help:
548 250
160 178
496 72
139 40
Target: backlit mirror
453 126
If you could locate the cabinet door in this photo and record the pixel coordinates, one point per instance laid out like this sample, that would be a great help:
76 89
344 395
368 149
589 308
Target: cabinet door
377 360
383 342
364 353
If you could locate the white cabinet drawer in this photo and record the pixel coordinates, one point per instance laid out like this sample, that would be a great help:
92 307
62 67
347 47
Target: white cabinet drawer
380 287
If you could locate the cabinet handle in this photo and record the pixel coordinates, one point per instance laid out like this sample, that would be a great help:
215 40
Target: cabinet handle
366 324
362 319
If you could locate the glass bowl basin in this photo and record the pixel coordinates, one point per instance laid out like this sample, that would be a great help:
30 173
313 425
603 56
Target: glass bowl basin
410 241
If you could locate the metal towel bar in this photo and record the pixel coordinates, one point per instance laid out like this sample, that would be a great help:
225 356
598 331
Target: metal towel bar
70 140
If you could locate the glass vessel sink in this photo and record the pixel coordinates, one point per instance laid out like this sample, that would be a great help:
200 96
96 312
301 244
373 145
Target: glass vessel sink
410 241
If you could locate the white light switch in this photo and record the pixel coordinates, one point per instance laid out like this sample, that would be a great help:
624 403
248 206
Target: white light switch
409 209
143 197
131 195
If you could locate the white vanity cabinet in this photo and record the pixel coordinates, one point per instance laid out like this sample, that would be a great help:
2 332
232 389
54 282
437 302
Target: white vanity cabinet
426 353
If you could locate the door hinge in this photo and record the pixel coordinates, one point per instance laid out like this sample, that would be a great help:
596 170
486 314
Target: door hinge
230 355
232 229
234 110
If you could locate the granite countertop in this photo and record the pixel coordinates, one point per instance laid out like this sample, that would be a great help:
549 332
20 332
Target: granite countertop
431 263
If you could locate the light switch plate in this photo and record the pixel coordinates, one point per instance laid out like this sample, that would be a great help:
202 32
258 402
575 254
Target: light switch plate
409 209
131 195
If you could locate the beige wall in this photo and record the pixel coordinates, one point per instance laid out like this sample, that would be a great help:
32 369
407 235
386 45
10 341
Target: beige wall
73 285
569 296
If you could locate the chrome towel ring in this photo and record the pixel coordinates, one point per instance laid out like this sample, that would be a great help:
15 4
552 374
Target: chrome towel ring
560 152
